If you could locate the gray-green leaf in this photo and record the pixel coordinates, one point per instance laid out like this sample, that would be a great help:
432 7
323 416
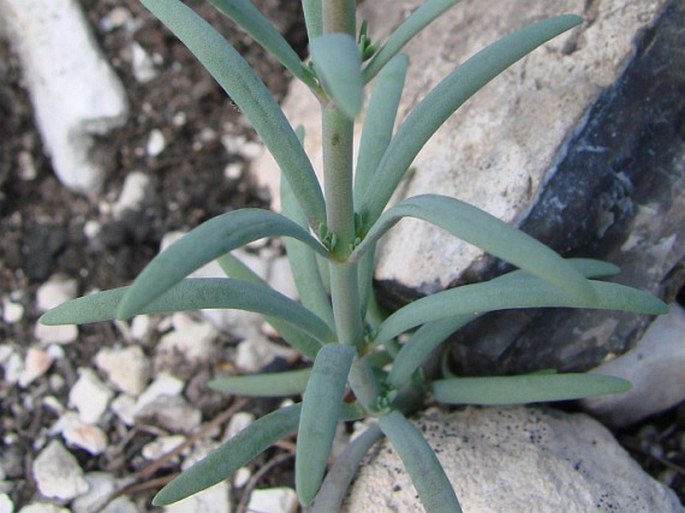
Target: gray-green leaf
269 384
446 98
320 413
488 233
248 17
534 293
434 489
429 336
417 21
196 294
338 65
238 451
530 388
205 243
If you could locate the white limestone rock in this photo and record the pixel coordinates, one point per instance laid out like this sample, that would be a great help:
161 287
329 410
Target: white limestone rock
132 193
101 486
36 363
6 504
274 500
11 312
75 93
655 367
215 499
79 434
90 396
190 343
516 459
502 146
128 369
173 413
62 334
164 385
43 507
58 474
57 290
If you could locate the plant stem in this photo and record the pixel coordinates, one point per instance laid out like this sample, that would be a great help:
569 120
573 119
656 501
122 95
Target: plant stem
337 164
338 16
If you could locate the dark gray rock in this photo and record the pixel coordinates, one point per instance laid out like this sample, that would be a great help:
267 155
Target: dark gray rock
617 195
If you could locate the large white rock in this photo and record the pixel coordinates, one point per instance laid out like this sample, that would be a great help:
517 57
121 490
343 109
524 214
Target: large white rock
75 93
655 367
516 459
502 146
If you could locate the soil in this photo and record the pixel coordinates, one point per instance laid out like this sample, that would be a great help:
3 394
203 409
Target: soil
43 228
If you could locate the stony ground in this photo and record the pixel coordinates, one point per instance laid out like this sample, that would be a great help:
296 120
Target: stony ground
56 243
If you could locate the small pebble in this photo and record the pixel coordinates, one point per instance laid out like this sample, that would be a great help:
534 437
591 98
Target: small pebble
144 68
164 384
36 363
89 396
11 363
241 477
132 192
12 312
273 500
43 507
101 486
116 18
161 446
124 407
58 474
57 290
238 422
79 434
233 171
63 334
155 143
212 500
172 413
6 504
128 369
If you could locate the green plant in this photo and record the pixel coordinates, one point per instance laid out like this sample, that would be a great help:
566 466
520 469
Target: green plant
332 235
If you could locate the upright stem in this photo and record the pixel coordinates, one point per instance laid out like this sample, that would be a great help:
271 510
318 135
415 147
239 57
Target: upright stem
338 16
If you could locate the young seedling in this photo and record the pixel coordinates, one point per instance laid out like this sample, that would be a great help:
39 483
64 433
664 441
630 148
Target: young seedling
332 233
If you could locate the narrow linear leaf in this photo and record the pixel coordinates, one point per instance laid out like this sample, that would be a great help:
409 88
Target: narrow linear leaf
379 121
320 413
197 294
488 233
434 489
531 293
250 94
421 345
338 65
303 264
530 388
296 338
313 17
203 244
417 21
269 384
238 451
446 98
430 335
248 17
337 481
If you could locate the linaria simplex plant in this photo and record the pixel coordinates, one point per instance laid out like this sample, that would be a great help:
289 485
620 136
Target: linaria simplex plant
332 235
